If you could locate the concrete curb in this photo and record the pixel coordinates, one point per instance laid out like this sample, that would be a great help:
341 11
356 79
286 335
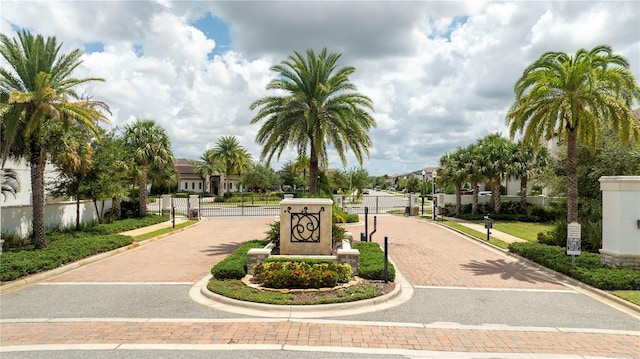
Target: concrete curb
599 294
402 293
8 287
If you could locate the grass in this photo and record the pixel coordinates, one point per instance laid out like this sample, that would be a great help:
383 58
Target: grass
476 234
162 231
235 289
632 296
525 230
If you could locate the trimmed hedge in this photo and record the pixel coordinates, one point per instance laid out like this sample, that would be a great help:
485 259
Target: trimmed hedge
588 269
126 224
235 265
372 261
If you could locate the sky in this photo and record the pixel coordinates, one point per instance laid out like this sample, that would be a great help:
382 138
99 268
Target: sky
440 73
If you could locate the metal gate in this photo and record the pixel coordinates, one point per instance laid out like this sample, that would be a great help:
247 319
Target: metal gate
247 204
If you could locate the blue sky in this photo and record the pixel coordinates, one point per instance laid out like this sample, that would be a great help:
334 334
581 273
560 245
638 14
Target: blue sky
440 73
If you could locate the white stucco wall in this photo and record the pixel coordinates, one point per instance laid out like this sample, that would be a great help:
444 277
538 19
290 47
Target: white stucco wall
17 219
620 214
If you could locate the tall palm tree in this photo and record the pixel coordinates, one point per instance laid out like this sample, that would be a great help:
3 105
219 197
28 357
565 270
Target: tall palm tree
207 165
320 106
526 163
150 148
235 158
452 170
497 151
473 163
572 97
36 89
301 164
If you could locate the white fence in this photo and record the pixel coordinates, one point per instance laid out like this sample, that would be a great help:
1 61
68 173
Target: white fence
541 201
17 220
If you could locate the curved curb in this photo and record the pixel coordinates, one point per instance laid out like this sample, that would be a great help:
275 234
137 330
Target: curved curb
593 292
12 286
402 293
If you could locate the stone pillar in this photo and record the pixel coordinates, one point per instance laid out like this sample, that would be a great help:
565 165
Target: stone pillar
165 204
193 206
305 226
620 221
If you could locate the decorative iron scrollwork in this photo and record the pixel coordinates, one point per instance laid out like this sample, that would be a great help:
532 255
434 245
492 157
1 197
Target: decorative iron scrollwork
305 226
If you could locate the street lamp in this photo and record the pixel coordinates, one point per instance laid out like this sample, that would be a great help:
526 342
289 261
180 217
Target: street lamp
433 196
424 173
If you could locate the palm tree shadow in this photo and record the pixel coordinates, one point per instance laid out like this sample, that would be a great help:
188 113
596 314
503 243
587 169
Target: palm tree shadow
506 270
221 248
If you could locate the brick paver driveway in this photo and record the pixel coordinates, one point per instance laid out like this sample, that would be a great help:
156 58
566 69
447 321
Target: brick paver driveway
442 266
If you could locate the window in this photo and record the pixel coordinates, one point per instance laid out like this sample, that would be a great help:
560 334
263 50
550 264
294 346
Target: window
193 185
186 185
199 185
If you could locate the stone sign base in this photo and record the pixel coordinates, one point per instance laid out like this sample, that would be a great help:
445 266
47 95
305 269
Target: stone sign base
617 260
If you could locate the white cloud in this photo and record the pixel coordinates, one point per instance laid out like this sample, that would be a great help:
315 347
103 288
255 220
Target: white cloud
440 73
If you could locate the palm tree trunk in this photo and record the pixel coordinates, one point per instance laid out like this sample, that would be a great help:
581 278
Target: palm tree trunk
572 177
523 193
458 198
313 171
142 193
38 162
495 195
77 213
474 200
116 207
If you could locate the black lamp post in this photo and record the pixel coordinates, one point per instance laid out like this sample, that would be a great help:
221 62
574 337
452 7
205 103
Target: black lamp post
422 189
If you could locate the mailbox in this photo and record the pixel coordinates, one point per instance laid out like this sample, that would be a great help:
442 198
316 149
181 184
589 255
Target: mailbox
488 222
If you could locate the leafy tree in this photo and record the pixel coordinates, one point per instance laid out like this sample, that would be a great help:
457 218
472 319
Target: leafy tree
339 180
452 171
150 147
36 89
573 98
475 165
234 157
260 178
320 106
301 164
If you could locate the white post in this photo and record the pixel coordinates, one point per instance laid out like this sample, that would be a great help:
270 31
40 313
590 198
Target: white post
620 221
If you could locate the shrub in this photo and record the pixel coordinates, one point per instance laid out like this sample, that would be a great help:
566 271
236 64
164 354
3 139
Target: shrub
589 269
277 274
235 265
372 262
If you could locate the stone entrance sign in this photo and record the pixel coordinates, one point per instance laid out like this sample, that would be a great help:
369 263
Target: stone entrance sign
305 226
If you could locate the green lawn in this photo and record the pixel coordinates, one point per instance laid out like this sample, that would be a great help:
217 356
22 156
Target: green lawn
525 230
632 296
476 234
142 237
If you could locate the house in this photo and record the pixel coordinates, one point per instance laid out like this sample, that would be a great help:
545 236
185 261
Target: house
216 184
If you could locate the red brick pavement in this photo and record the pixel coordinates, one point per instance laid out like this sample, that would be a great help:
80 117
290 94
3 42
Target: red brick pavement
428 254
186 256
310 333
425 253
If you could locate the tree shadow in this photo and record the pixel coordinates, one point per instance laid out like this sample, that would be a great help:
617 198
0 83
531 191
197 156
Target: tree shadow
221 248
506 270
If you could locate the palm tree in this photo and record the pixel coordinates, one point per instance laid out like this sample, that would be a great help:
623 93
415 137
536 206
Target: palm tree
235 158
207 165
301 164
526 163
497 152
572 97
452 170
10 182
36 89
473 162
320 107
150 148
